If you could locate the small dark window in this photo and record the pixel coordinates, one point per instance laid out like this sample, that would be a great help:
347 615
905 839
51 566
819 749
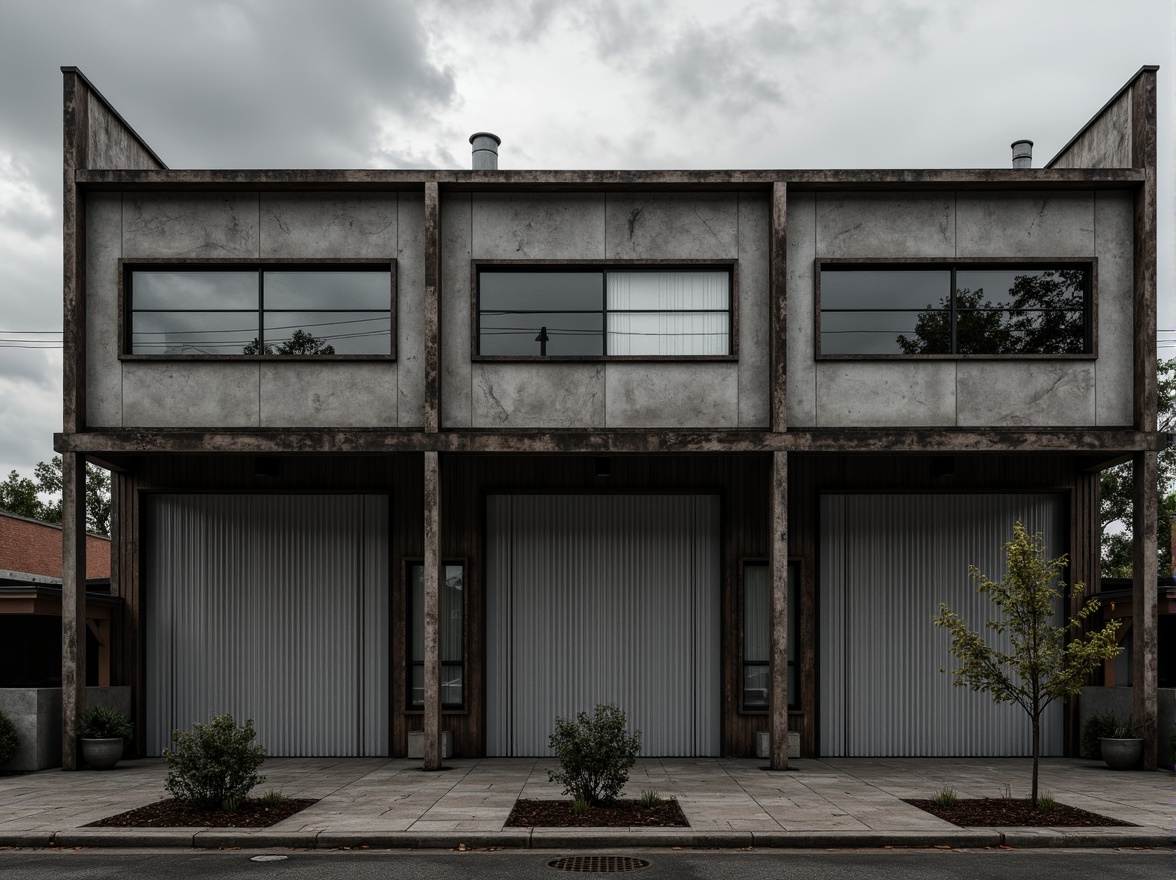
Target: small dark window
252 310
452 617
618 312
757 633
955 310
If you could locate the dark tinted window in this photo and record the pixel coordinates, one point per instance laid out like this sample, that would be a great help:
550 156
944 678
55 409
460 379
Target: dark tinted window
961 310
251 311
634 312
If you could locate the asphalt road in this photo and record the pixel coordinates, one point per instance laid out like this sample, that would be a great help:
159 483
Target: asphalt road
528 864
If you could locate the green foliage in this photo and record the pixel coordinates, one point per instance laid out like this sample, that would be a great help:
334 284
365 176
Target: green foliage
9 739
1115 486
273 799
946 797
580 807
595 754
650 797
1046 802
1097 726
214 764
100 722
1041 665
1122 731
22 496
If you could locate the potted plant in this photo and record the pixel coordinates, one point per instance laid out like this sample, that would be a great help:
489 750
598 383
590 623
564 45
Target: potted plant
1121 750
103 733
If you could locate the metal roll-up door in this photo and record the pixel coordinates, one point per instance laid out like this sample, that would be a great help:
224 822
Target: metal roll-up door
886 562
597 599
270 607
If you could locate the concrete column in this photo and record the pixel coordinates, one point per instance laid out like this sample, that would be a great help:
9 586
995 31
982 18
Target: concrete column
778 700
73 603
432 578
1144 621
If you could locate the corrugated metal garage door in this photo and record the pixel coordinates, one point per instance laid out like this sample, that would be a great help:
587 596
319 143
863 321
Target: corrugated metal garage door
270 607
598 599
887 561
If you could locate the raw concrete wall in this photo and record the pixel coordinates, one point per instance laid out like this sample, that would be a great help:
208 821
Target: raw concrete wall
966 392
36 714
253 226
1105 143
609 226
1120 701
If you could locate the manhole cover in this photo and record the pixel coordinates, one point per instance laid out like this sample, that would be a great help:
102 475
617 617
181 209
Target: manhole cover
598 864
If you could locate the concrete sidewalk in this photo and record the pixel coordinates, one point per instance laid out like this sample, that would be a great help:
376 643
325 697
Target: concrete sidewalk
380 802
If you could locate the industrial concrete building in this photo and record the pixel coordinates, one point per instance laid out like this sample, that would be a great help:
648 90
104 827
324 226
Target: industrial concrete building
460 451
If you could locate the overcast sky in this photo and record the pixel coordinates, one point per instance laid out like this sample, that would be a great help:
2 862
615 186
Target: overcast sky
583 84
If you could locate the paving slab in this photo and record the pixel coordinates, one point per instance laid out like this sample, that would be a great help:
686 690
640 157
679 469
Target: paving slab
379 802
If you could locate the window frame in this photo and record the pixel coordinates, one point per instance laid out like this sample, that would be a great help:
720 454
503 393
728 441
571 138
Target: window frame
1090 264
126 266
794 701
729 266
411 708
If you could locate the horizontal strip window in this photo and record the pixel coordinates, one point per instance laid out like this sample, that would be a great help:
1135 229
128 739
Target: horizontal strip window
259 310
949 310
452 633
604 312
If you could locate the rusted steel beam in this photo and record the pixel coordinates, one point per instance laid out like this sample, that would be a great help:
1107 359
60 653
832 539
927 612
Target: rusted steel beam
1093 441
1143 157
619 181
73 603
432 309
778 297
778 699
1145 623
432 610
76 137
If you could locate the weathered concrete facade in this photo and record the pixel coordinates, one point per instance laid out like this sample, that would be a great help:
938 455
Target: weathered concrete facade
435 427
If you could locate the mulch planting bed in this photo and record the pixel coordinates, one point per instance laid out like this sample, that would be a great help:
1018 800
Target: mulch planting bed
987 812
618 814
172 814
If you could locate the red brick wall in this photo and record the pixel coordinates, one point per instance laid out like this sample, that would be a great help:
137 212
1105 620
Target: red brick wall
35 548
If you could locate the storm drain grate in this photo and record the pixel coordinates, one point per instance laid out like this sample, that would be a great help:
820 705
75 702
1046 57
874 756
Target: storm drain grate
598 864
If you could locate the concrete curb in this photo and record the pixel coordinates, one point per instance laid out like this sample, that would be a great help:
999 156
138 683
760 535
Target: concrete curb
875 839
587 838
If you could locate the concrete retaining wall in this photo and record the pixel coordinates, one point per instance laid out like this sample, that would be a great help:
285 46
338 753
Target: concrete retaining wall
1120 701
36 714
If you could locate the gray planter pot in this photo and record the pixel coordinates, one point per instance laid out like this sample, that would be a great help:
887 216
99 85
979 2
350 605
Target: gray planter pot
102 754
1121 754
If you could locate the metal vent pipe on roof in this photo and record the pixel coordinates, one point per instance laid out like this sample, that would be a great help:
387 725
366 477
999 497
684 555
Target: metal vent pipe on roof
485 150
1022 154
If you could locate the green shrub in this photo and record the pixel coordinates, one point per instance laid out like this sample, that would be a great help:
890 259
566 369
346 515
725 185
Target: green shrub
1097 726
580 807
595 754
1046 802
650 797
99 722
215 765
945 797
9 739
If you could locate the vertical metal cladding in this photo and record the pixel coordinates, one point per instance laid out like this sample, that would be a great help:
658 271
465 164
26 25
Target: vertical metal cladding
270 607
598 599
887 561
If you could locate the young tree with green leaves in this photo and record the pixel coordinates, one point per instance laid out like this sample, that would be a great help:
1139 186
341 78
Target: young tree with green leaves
1041 665
22 496
1115 486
